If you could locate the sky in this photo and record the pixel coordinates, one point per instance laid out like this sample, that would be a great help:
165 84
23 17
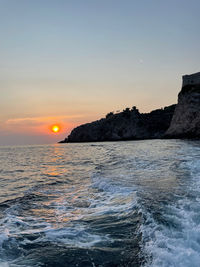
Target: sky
69 62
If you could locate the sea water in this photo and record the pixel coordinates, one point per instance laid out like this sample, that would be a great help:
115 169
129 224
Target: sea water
131 203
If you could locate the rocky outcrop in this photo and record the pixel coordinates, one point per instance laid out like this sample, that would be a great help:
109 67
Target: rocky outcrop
176 121
186 119
126 125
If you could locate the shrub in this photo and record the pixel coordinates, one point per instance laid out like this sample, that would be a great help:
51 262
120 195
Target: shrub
110 114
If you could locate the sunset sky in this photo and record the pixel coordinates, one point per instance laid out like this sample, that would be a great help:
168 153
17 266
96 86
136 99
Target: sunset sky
70 62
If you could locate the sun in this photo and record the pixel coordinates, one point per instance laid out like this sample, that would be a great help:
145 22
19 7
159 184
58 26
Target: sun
55 128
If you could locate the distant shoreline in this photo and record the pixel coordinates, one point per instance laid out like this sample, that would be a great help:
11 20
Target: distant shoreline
178 121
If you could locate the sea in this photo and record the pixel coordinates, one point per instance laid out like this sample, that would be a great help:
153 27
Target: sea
134 203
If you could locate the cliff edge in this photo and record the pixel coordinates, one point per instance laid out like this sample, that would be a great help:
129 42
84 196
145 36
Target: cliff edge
186 119
127 125
176 121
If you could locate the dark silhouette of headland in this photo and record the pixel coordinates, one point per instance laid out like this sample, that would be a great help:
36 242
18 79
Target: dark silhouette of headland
175 121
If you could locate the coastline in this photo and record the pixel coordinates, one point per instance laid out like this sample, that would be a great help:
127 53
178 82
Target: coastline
177 121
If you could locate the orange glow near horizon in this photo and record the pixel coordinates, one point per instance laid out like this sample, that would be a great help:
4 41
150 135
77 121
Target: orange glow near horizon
55 128
33 127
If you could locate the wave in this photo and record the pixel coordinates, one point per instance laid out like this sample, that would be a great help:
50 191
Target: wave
137 206
172 238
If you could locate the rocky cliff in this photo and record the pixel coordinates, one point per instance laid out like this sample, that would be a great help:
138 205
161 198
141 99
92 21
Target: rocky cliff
126 125
176 121
186 119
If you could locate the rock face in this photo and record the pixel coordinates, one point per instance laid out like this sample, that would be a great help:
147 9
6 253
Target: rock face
176 121
186 119
126 125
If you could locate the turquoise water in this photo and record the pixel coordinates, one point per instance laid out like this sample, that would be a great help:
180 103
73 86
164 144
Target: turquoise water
101 204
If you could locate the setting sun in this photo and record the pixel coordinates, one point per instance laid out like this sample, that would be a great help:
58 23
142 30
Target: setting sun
55 128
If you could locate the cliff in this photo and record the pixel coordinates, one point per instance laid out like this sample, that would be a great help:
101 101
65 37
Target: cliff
176 121
126 125
186 119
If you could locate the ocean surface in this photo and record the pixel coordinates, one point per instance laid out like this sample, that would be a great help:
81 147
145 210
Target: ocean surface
108 204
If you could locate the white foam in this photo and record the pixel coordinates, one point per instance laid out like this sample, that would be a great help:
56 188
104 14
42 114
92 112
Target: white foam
75 237
112 197
178 242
